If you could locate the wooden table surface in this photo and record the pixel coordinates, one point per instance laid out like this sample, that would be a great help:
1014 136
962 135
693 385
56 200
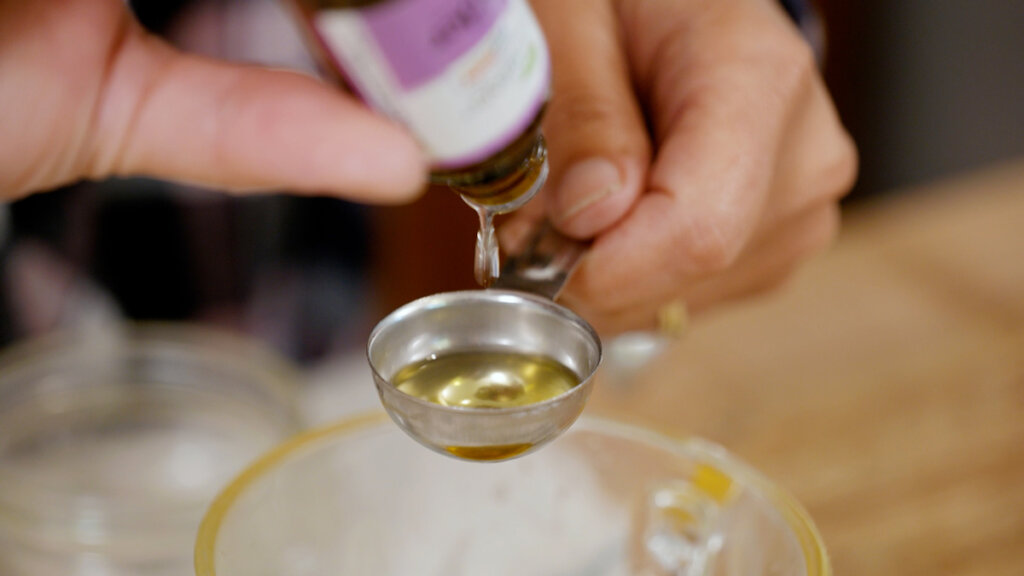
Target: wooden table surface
883 386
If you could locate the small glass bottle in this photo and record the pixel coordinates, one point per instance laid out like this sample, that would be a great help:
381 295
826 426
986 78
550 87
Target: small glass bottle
469 78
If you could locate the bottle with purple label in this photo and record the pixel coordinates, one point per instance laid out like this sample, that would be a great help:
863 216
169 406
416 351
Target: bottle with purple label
469 78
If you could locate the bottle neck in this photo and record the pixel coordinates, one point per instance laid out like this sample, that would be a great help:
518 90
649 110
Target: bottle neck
509 189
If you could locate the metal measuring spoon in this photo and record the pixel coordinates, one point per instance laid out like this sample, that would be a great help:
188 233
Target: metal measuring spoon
518 314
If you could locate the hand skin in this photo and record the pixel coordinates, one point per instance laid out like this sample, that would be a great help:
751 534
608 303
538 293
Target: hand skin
695 142
85 92
724 159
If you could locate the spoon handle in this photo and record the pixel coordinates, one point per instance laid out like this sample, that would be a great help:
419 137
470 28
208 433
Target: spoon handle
545 263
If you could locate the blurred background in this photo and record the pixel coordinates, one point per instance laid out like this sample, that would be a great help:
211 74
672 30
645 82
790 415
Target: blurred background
928 89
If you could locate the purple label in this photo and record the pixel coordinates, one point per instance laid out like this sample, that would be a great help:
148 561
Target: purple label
420 38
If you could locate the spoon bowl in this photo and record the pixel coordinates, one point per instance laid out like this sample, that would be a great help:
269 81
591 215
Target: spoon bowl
483 321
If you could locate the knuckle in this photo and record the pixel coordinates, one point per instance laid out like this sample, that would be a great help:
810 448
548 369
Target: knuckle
800 60
708 245
576 109
833 174
582 122
797 83
840 171
804 61
792 63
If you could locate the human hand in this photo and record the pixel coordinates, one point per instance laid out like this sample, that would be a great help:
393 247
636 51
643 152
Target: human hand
85 92
695 142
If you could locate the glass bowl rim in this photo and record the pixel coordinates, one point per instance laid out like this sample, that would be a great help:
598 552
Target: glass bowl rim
795 515
207 343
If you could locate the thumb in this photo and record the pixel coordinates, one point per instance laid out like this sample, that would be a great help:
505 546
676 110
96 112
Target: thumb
184 117
597 140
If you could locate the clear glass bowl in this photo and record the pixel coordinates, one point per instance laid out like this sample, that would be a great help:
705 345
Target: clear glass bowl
361 498
113 444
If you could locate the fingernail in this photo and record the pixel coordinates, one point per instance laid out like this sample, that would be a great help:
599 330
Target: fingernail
586 183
